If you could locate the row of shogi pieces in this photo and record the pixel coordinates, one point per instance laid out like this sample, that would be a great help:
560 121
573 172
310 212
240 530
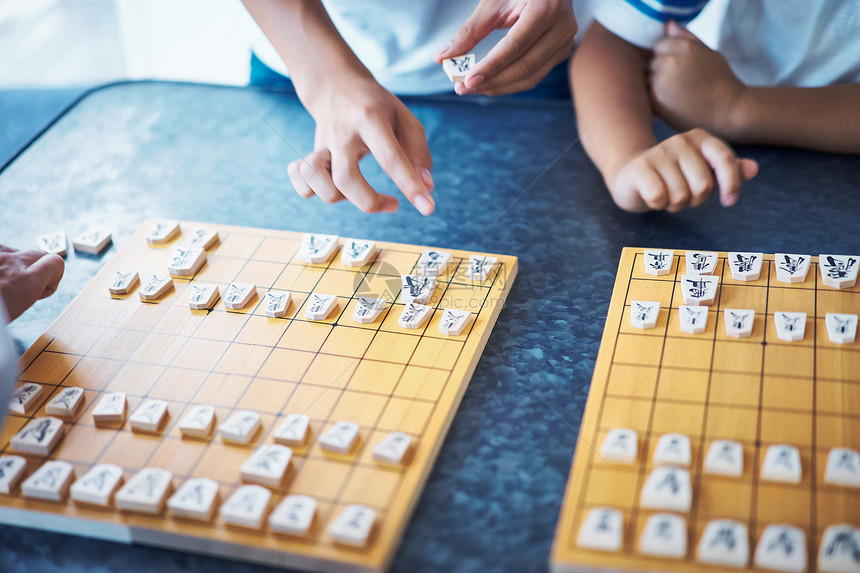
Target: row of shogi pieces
724 542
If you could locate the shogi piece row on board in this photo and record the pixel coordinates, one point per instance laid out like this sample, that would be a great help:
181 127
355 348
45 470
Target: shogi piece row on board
728 436
272 396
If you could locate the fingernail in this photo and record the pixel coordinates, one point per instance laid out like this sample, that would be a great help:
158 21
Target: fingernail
427 177
443 51
425 204
730 200
474 81
461 89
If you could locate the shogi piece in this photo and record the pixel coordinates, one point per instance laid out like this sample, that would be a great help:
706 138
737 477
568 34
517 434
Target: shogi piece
202 297
246 507
162 232
414 315
267 465
25 397
293 430
51 481
699 290
644 313
98 485
39 437
417 288
841 328
673 449
277 304
457 67
725 457
12 469
745 266
781 548
693 319
55 243
195 499
319 306
739 322
393 448
123 282
839 551
353 526
317 248
664 535
154 286
790 326
724 542
601 529
367 309
433 263
149 415
202 237
110 408
145 492
700 262
185 261
357 253
782 463
843 467
480 267
198 422
237 295
791 268
839 271
658 262
294 515
667 487
240 427
92 242
340 438
454 322
620 446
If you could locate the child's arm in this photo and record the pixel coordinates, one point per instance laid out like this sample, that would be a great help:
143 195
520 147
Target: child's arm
693 85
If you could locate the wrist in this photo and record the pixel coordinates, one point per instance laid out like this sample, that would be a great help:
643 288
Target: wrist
735 120
319 90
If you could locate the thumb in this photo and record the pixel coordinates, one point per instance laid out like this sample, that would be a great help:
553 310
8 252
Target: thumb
477 26
46 274
675 30
749 168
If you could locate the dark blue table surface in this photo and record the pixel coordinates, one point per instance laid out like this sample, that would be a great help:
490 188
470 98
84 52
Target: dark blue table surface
511 178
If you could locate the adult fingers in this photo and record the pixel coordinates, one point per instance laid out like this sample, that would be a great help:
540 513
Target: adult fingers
316 171
299 184
5 249
347 178
726 167
46 273
677 191
501 86
387 150
29 257
414 140
476 27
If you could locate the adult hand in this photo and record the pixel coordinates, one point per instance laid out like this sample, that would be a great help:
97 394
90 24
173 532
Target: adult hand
27 276
540 36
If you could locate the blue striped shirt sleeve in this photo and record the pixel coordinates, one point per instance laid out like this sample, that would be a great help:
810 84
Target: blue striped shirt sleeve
641 22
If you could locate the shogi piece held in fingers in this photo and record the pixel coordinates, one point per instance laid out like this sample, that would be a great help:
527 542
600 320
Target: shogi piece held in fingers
601 529
367 309
294 515
162 232
51 481
745 266
458 67
154 286
39 437
644 313
791 268
185 261
123 282
145 492
790 326
414 315
658 262
240 427
664 535
724 542
357 253
202 237
699 290
454 322
195 499
667 487
277 303
202 297
700 262
433 263
393 448
55 243
781 548
839 271
237 295
92 242
841 328
480 267
320 306
246 507
725 457
417 288
739 322
149 415
267 465
839 551
293 430
843 467
198 422
66 403
12 469
673 449
353 526
782 463
620 446
340 438
317 248
25 397
693 319
98 485
110 408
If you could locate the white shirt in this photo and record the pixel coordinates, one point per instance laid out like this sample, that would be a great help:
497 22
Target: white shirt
8 363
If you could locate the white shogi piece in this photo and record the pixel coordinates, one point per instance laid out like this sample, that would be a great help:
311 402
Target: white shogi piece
724 542
693 319
198 422
241 426
620 446
277 304
162 232
457 67
454 322
790 326
745 266
791 268
98 485
145 492
111 408
601 529
781 548
185 261
480 267
149 415
294 515
417 288
357 253
24 397
739 322
841 328
667 487
267 465
202 297
664 535
393 448
317 248
353 525
237 295
839 271
367 309
202 237
433 263
92 242
39 437
699 290
340 438
843 467
701 262
66 403
123 282
782 463
154 286
195 499
725 457
673 449
414 315
55 243
319 306
293 430
658 262
11 471
839 551
644 313
246 507
51 481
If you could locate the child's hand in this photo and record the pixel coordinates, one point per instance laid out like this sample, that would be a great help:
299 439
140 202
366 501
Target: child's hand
679 173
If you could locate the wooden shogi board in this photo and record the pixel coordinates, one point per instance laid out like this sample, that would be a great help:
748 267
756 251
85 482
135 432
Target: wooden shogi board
379 375
757 391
